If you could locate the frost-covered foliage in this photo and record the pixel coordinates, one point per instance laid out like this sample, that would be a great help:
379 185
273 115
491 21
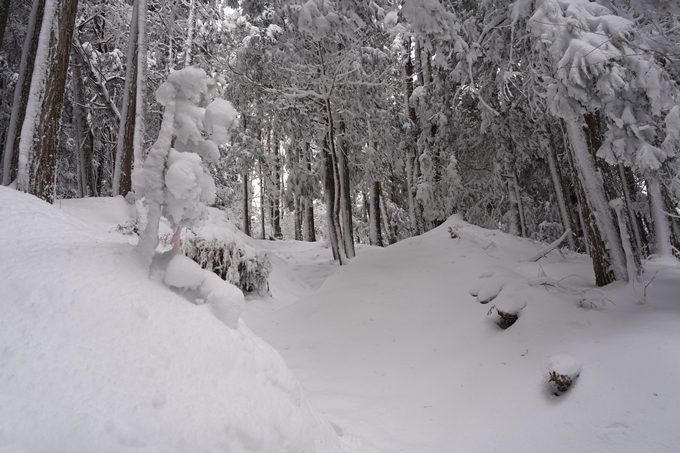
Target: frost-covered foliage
231 259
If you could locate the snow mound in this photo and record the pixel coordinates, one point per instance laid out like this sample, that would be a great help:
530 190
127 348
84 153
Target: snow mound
183 272
94 356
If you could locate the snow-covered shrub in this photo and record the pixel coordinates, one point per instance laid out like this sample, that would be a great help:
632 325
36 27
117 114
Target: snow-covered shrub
230 259
563 371
507 319
129 227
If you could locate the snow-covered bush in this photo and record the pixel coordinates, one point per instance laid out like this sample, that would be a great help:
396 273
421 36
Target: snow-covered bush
230 259
563 371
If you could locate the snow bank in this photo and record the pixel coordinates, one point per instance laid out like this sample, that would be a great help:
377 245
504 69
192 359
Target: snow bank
94 356
396 351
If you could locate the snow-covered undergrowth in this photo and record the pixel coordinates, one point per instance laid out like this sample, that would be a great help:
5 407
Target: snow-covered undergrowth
95 356
221 250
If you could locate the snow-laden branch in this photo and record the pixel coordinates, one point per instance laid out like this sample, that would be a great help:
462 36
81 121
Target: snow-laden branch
549 248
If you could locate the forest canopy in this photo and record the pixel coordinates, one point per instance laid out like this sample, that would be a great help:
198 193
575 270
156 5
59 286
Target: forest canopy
356 120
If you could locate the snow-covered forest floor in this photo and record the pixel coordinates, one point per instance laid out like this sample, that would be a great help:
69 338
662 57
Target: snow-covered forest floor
392 352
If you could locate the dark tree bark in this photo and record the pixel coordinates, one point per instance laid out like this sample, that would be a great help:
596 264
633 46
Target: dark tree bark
21 93
274 194
246 204
581 162
4 13
122 175
389 229
48 94
374 216
263 197
308 228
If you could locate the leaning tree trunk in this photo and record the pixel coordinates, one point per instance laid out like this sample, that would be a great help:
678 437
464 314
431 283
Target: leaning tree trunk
40 132
21 93
609 262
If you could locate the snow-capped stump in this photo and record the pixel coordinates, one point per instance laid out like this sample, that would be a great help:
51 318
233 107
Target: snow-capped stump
489 291
562 372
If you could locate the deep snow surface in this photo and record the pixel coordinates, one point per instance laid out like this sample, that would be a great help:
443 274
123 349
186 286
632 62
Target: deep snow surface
395 349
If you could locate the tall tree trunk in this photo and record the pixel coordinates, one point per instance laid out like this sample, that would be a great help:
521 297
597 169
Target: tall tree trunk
263 186
329 189
140 103
391 233
40 131
309 231
345 195
627 196
298 213
84 140
665 242
332 176
191 30
375 233
21 93
275 193
557 185
674 223
122 170
608 256
412 160
246 203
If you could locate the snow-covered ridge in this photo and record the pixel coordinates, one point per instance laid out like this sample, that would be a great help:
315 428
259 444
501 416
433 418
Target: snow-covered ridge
94 356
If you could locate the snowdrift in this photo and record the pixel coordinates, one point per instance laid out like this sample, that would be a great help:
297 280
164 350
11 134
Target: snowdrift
94 356
404 348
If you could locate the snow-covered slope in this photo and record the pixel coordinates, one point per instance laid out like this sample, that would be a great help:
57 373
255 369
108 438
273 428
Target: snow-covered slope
95 357
394 349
